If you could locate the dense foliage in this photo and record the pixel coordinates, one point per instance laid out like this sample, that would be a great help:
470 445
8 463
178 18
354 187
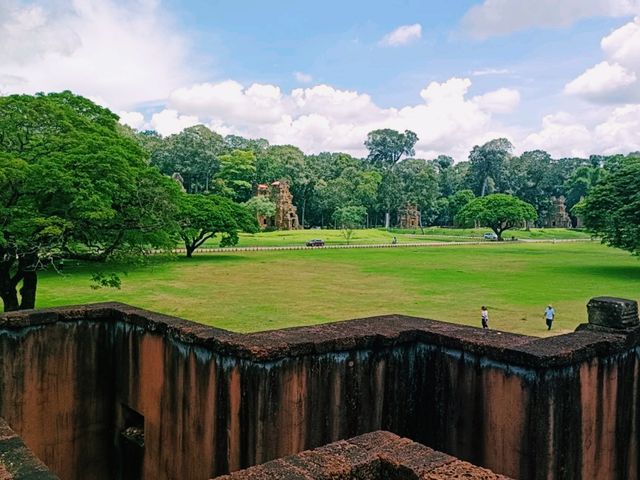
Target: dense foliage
74 183
382 182
612 209
497 211
202 217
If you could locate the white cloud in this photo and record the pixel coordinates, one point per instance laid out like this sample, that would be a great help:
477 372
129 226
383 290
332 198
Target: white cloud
230 101
616 79
604 81
122 54
563 134
169 121
324 118
623 45
133 119
402 35
500 17
503 100
491 71
303 77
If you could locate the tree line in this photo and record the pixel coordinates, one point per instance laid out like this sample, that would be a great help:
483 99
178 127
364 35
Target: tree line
380 184
75 184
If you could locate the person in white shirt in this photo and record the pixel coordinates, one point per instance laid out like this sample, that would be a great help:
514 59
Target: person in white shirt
485 317
549 315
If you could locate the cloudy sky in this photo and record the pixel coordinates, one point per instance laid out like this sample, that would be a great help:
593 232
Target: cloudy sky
562 75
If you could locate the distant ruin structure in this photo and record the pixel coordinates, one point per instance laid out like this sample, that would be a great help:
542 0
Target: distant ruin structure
409 217
113 392
558 216
176 177
286 216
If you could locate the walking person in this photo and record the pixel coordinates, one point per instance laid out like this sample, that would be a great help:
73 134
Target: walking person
549 315
485 317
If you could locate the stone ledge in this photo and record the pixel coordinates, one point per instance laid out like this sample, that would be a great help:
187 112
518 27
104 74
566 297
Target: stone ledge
350 335
373 456
17 462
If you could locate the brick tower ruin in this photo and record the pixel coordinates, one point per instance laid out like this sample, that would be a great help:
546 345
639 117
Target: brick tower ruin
409 217
286 216
558 216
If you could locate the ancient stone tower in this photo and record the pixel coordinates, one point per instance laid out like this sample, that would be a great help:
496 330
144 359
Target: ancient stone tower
286 216
409 216
558 216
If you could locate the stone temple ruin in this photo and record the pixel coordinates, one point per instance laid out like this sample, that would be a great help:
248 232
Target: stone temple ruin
109 391
558 216
409 217
286 216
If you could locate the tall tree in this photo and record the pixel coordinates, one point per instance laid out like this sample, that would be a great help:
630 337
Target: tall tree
194 154
420 187
386 148
72 185
611 210
237 175
486 165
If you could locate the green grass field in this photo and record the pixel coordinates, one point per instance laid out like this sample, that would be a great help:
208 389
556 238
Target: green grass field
254 291
373 236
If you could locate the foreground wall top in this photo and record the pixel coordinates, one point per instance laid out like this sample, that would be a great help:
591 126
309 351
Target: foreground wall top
365 333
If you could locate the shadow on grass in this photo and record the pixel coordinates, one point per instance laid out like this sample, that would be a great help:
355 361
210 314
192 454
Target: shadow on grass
617 272
209 258
156 261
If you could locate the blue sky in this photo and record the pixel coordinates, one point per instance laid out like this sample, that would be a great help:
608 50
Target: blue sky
564 76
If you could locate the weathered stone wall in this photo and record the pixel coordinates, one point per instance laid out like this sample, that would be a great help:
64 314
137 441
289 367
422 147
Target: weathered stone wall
213 401
17 462
372 456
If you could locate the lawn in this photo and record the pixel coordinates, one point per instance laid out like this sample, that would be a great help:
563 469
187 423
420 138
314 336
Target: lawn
382 236
253 291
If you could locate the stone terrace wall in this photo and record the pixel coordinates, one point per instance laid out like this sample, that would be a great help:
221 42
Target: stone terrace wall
372 456
213 401
17 462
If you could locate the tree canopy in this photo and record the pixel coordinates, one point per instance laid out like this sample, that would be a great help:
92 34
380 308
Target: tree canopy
72 185
202 217
612 208
498 211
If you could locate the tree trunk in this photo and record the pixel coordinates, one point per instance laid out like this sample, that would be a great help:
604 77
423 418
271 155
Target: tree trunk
387 220
8 291
28 290
484 186
10 300
304 208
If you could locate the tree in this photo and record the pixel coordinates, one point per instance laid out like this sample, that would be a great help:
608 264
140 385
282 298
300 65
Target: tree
261 206
420 187
386 148
458 201
486 165
194 154
580 184
348 219
498 211
202 217
611 208
72 185
237 174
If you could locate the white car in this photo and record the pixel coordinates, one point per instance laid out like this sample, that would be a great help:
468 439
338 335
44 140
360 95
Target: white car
490 236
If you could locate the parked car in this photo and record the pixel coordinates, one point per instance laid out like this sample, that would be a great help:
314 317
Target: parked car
315 243
490 236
